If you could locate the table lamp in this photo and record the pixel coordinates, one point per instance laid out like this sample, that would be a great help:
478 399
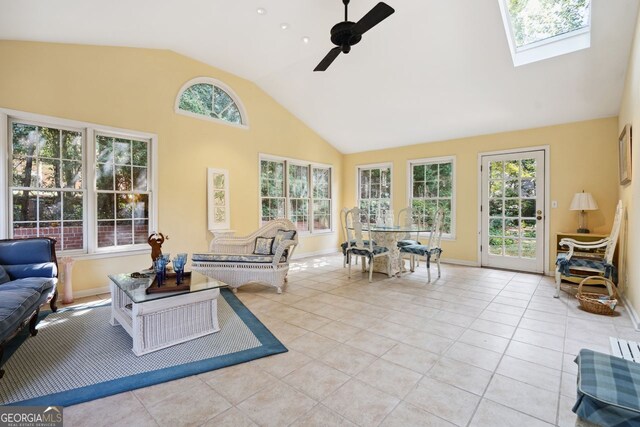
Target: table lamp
583 202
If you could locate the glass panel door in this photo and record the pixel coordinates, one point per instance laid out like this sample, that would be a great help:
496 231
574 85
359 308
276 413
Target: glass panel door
513 211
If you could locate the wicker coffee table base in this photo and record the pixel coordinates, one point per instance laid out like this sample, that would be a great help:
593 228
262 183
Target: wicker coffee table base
164 322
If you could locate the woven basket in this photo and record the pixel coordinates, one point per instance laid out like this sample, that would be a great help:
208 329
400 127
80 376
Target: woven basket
589 301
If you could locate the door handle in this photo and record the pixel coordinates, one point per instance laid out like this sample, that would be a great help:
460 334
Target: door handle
539 217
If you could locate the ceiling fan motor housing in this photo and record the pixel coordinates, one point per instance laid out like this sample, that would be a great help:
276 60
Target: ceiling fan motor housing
341 35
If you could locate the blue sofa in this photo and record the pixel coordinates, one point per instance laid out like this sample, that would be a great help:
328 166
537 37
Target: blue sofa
28 279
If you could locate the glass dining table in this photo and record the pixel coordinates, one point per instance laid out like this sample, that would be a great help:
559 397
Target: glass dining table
388 236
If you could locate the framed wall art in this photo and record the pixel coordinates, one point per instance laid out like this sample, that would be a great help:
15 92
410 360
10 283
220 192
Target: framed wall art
624 155
218 210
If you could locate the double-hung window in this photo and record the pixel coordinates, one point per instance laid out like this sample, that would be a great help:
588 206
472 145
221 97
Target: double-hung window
87 187
299 191
122 190
374 191
432 187
46 183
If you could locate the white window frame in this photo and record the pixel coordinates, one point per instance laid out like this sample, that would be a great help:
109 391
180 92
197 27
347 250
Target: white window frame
212 223
210 80
90 222
329 199
436 160
374 166
310 165
544 49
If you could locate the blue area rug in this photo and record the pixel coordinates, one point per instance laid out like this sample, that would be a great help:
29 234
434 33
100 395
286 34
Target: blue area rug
78 356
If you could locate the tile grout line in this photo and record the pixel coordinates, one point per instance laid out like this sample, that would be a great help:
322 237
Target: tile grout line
494 373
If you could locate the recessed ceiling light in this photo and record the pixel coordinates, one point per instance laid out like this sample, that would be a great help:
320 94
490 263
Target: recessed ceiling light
261 11
306 40
284 25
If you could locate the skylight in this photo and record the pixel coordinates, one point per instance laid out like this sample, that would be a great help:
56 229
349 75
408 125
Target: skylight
542 29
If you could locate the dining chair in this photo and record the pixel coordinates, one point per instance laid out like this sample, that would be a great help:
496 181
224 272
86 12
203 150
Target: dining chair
357 246
432 250
344 245
405 219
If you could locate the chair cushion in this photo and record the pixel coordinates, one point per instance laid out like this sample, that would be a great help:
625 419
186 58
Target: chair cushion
407 242
608 389
565 265
369 253
4 277
280 236
345 245
421 250
249 258
263 245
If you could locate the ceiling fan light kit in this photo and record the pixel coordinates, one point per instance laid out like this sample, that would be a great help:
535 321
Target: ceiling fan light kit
347 33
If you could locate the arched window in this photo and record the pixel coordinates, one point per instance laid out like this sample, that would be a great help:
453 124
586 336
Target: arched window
205 97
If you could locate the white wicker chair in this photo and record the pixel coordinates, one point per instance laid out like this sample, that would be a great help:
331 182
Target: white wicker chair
232 261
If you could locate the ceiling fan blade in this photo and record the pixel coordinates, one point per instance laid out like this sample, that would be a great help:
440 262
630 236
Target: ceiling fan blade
380 12
328 59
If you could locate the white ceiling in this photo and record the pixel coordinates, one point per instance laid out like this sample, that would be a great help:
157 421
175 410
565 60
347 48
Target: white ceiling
434 70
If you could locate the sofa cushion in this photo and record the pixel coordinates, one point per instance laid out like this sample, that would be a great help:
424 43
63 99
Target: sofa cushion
280 236
249 258
26 251
43 269
263 245
39 284
15 305
4 277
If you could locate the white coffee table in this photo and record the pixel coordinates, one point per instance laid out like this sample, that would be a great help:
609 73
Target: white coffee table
159 320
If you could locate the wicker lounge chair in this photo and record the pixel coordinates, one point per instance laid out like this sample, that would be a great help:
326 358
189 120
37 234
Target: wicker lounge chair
241 260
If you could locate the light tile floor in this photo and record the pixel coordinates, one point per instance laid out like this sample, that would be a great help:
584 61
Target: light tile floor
478 347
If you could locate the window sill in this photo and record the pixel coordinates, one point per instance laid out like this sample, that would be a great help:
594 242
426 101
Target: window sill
315 233
101 255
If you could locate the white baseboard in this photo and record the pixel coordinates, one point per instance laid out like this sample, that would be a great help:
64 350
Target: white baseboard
633 314
87 292
317 253
460 262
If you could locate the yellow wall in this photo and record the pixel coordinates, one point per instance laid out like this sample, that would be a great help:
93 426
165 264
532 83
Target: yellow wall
630 237
136 89
583 155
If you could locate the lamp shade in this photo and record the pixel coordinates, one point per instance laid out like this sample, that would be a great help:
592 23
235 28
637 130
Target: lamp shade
583 202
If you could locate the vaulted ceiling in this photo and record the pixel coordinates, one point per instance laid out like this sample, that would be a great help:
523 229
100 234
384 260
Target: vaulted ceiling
434 70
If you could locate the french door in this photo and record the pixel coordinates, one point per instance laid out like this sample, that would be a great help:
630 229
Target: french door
512 229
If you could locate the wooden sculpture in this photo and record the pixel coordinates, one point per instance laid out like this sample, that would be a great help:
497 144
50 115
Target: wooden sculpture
155 241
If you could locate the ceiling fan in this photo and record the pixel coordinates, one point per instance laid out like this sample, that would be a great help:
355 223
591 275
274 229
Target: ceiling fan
345 34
